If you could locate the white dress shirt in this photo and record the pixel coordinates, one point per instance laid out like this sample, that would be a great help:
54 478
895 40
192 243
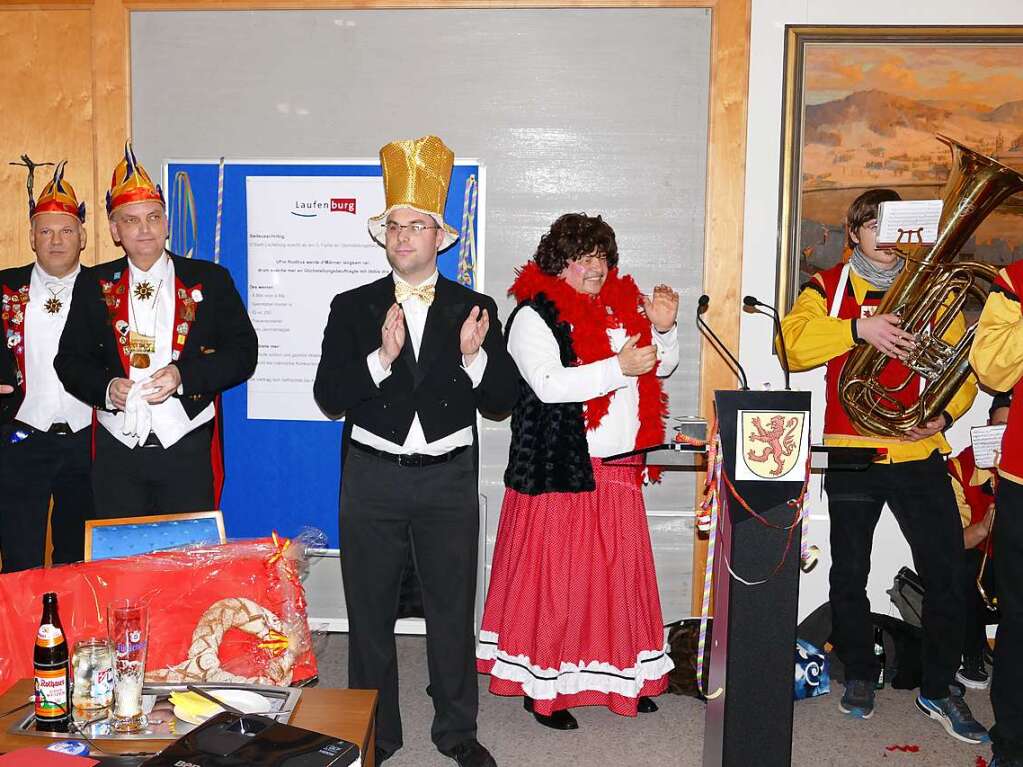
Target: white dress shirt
535 350
415 317
155 317
46 401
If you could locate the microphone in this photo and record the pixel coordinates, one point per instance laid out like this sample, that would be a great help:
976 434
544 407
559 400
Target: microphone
701 307
753 303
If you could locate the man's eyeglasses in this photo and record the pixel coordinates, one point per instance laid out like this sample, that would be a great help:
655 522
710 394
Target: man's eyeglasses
416 228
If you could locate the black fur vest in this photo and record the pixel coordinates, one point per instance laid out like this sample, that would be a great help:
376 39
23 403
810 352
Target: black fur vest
548 451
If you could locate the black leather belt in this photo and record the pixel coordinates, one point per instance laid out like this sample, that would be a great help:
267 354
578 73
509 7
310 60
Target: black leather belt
152 440
410 459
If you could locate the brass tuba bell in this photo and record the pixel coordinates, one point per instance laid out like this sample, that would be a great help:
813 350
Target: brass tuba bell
930 284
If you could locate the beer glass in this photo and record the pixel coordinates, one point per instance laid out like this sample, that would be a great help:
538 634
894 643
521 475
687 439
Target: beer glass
92 664
128 623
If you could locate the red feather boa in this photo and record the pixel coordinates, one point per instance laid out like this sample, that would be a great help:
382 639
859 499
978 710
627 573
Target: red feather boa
618 305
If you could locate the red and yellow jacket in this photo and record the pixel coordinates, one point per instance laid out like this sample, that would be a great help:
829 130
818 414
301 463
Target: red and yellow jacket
972 486
997 358
819 331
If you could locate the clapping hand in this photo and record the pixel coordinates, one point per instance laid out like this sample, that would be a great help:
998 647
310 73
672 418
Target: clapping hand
392 335
635 361
661 308
474 330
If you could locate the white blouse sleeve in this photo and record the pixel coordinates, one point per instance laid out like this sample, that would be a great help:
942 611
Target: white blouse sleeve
535 350
667 350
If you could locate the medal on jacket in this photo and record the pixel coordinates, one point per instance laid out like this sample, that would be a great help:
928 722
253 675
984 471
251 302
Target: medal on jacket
53 304
140 347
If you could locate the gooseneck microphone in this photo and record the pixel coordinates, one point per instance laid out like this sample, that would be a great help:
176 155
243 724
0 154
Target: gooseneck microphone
753 303
701 307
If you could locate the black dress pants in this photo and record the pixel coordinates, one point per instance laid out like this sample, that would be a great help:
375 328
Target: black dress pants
136 482
978 616
32 470
1007 676
386 511
920 495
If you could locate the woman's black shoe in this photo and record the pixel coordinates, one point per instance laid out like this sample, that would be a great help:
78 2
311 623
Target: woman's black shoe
646 705
559 720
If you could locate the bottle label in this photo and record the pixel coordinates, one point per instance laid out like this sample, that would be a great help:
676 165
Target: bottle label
51 693
49 636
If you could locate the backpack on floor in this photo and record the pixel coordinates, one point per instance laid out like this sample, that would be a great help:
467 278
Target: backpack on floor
683 641
907 594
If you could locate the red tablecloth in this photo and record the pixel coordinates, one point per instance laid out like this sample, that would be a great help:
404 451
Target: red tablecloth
234 612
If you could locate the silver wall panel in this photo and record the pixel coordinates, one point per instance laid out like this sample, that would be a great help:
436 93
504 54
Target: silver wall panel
596 110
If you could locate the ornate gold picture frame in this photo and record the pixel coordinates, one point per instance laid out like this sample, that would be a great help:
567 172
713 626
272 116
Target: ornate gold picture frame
862 106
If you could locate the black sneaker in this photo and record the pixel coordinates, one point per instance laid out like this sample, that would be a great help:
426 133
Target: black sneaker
858 699
973 673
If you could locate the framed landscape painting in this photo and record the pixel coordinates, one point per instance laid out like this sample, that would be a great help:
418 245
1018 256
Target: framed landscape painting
862 109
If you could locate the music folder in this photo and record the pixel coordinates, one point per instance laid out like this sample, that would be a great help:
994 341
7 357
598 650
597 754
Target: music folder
229 740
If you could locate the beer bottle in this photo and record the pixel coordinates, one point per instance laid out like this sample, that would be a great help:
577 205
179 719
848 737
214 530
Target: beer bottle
52 671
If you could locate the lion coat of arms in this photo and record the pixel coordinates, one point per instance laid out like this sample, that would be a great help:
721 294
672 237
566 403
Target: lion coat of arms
771 442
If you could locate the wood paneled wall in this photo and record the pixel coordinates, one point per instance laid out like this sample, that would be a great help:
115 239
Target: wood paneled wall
66 94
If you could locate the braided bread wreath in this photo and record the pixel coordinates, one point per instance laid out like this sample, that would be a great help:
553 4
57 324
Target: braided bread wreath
203 662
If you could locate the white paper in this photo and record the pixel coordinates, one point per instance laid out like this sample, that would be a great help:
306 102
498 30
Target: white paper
909 222
307 242
987 445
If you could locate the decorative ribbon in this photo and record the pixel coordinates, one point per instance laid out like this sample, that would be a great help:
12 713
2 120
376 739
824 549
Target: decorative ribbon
714 508
467 235
220 212
184 225
290 573
709 507
276 642
280 546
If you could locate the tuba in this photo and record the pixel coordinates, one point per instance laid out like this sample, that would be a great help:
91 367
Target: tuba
928 295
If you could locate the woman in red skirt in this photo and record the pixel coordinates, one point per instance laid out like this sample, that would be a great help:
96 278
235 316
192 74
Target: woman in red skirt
572 616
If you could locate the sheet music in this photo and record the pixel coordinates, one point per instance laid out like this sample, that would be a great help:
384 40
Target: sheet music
987 445
908 222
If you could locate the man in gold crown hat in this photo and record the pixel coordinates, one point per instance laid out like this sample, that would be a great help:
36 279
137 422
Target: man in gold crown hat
151 341
408 361
46 436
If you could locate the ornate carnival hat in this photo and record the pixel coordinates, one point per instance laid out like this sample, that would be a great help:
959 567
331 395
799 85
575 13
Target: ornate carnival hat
58 196
131 183
416 175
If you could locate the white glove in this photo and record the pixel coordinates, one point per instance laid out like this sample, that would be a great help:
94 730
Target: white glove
138 417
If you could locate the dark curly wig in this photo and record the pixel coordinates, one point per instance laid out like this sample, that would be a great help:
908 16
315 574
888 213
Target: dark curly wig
574 235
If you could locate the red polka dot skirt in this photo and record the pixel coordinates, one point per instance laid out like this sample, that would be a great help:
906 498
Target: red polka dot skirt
572 615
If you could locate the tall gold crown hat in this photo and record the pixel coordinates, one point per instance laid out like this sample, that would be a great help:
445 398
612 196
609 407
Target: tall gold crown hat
58 196
131 183
416 176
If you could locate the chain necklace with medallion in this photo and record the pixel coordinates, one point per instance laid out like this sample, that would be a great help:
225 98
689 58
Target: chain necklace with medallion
142 345
53 304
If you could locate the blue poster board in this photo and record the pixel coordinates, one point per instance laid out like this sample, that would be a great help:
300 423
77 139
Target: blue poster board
282 475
